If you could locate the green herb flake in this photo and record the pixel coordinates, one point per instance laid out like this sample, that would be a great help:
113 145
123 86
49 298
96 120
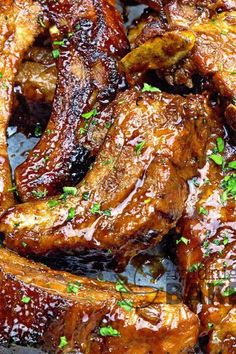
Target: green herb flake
85 196
38 131
106 212
203 211
138 148
82 131
220 144
232 165
120 286
1 75
53 203
195 267
24 244
107 125
25 299
218 282
210 325
63 342
218 159
127 305
73 288
58 43
95 209
228 291
149 88
90 114
183 239
109 331
56 53
70 190
71 214
39 194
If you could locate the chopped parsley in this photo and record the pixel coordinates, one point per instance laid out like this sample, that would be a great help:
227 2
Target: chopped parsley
56 53
218 159
1 75
63 342
109 331
85 196
220 144
70 190
232 165
229 186
120 286
73 288
52 203
39 194
149 88
90 114
195 267
228 291
138 148
125 304
95 208
26 299
106 212
183 239
218 282
71 214
38 131
203 211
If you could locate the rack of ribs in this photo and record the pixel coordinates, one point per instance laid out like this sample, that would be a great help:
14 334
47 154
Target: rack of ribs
88 40
206 250
18 29
65 313
136 190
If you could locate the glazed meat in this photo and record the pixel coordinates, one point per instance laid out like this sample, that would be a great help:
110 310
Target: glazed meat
65 313
88 40
18 28
206 250
136 189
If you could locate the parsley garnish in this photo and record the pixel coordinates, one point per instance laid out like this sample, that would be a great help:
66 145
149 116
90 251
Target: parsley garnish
73 287
56 53
125 304
232 165
39 194
70 190
26 299
149 88
95 208
71 214
63 342
121 287
220 144
109 331
38 131
90 114
203 211
138 148
228 291
52 203
182 239
218 159
195 267
85 196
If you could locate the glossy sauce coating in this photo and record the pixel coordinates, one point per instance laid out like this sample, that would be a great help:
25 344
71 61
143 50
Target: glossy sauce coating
18 29
92 38
207 256
136 189
38 307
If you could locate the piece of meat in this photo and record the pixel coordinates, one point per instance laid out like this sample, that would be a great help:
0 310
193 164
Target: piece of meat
230 115
42 307
207 245
91 40
159 52
136 189
213 55
18 28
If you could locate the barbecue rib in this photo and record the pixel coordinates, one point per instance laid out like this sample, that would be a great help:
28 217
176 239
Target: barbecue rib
18 28
206 250
136 190
47 306
89 38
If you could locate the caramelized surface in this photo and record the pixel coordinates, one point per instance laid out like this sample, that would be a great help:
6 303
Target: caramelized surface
94 38
52 311
18 28
134 193
207 257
